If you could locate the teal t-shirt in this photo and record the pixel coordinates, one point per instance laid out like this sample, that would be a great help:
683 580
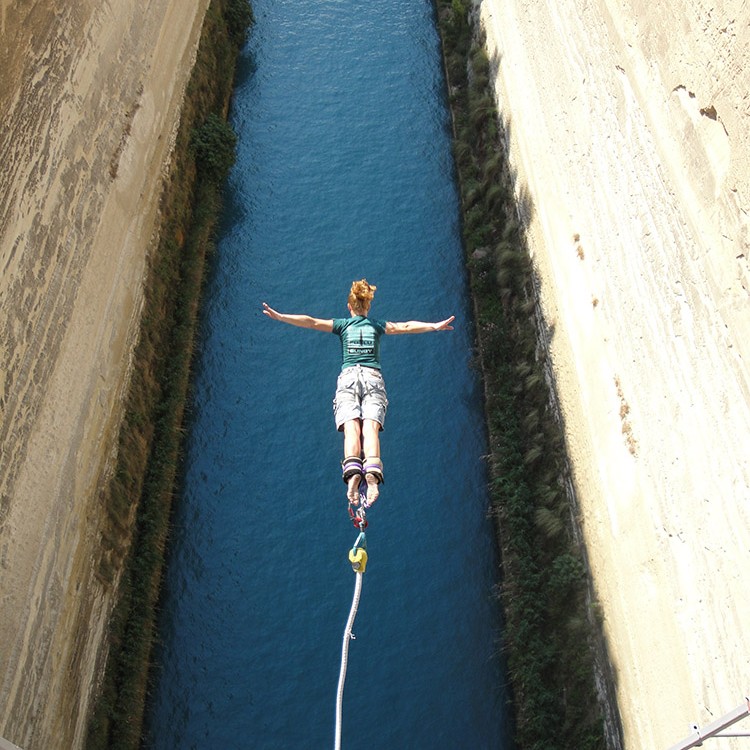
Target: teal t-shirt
360 340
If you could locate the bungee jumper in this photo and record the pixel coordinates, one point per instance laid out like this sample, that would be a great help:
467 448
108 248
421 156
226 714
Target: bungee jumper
360 403
359 408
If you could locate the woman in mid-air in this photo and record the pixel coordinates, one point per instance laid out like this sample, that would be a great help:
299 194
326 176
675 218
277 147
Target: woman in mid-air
360 403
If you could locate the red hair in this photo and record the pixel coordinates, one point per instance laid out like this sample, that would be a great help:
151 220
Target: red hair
360 296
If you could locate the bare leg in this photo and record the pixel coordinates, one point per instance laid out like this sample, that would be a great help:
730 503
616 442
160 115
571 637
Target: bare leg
371 438
371 444
353 447
353 437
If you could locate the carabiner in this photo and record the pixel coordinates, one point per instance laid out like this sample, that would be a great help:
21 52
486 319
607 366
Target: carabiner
358 517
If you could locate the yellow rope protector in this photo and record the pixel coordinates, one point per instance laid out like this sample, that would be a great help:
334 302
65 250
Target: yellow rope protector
358 559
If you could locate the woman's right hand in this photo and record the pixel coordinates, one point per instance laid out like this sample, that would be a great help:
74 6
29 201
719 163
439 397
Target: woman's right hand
445 325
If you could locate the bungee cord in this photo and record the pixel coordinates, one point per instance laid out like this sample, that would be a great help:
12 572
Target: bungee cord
358 560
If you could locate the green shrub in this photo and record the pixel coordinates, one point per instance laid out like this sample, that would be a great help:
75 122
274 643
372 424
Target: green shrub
239 18
214 144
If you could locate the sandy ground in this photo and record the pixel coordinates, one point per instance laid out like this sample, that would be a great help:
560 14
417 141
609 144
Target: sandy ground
89 100
629 128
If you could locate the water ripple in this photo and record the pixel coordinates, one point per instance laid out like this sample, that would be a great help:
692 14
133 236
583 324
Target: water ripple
344 170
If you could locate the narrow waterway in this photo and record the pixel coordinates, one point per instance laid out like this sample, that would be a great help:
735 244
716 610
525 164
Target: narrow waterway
344 170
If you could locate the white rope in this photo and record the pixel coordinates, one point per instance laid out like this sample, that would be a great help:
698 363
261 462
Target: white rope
345 655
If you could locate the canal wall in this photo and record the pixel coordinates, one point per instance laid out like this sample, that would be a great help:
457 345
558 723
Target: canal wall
627 135
90 98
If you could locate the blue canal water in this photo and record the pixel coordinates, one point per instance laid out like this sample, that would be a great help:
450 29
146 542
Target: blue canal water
344 170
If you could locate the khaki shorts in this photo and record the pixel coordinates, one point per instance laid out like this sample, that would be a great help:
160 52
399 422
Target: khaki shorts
360 394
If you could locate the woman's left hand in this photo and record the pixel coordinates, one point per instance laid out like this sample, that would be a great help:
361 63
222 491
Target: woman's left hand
271 312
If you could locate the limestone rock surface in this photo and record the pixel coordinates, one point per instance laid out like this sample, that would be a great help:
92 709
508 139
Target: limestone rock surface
628 128
90 95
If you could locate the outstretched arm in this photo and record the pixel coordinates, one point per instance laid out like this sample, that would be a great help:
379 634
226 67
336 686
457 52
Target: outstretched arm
302 321
417 326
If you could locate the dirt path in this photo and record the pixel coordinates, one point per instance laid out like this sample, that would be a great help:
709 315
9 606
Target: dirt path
629 130
89 99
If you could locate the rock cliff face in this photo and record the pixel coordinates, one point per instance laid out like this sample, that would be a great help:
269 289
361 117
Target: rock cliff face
89 100
629 131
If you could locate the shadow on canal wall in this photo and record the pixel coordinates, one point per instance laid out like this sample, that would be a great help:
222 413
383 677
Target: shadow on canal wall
562 680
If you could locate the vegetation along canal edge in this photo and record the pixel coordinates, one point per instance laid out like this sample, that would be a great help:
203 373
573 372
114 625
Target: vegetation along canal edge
558 669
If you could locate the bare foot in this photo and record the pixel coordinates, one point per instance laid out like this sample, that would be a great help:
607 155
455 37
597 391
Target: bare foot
373 488
352 489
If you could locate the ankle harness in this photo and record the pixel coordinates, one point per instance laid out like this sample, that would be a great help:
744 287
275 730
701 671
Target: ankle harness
350 467
374 466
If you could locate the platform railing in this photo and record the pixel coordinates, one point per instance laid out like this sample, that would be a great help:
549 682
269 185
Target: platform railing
716 728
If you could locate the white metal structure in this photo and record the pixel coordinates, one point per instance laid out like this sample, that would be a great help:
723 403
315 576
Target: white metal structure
716 728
